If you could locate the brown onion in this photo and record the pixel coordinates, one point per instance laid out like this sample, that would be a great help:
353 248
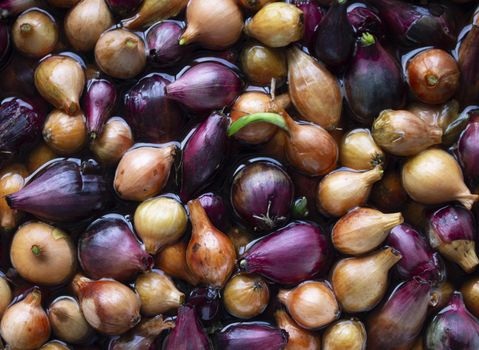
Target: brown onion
172 260
298 338
63 133
5 295
86 22
120 54
345 334
12 179
39 156
213 24
113 142
246 296
35 33
43 254
470 292
358 150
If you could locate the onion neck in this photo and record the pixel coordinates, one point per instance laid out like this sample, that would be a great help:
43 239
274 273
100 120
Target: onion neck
36 250
387 258
199 218
34 298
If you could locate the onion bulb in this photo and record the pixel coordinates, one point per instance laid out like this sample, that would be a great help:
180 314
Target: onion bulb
434 177
12 179
359 151
113 142
63 133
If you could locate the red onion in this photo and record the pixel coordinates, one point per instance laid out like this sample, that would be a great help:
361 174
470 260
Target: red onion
262 195
454 327
5 45
153 117
468 149
162 43
365 20
312 16
215 209
63 190
203 154
188 332
293 254
399 321
467 60
418 259
206 302
452 232
97 103
251 336
109 249
205 87
20 124
123 7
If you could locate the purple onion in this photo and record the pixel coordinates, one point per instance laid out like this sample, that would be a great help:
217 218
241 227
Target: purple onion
20 125
334 42
468 149
206 302
162 41
251 336
109 249
154 118
9 8
203 154
312 16
370 91
452 231
400 320
468 57
5 45
215 209
188 332
453 328
97 103
262 195
18 78
418 259
290 255
205 87
417 25
365 20
122 8
63 190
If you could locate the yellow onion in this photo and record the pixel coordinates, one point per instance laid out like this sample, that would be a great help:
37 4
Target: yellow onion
25 324
108 306
63 133
314 91
67 321
86 22
360 283
172 260
213 24
470 292
261 64
362 230
154 10
345 189
276 25
404 134
246 296
12 179
311 304
159 222
437 115
143 172
55 345
358 150
254 5
120 53
345 334
43 254
210 254
115 139
39 156
60 80
257 102
298 338
35 33
310 148
5 295
434 177
157 293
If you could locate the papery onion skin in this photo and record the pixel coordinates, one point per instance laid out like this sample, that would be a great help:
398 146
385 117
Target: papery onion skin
205 87
62 191
109 249
301 247
203 154
252 336
153 117
262 195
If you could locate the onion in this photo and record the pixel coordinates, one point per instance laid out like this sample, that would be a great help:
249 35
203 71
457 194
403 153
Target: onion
154 10
298 338
345 334
63 133
115 139
359 151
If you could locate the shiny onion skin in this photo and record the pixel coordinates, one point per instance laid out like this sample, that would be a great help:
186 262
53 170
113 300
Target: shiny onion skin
162 44
97 103
468 55
290 255
251 336
468 149
63 190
